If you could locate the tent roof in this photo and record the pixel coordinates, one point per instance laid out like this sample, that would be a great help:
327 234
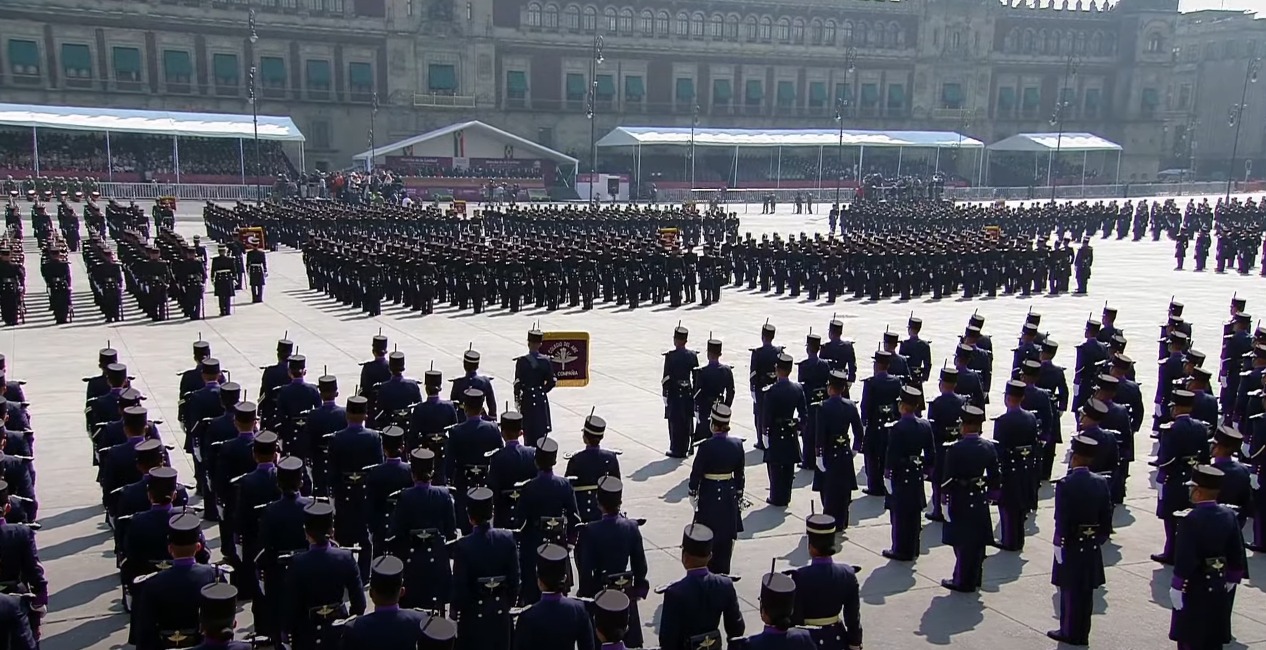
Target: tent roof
519 142
1043 142
627 136
122 120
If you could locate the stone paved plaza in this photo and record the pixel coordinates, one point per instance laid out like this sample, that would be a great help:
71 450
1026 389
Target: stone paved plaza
904 605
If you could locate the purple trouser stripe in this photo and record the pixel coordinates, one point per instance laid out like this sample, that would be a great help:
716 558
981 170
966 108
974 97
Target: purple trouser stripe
1004 520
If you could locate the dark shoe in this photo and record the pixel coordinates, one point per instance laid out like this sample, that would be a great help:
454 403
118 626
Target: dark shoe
1255 549
891 555
934 517
949 584
1162 559
672 455
1056 635
874 493
776 505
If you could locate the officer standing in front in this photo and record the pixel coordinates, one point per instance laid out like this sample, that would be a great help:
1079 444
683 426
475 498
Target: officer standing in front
1083 520
716 488
223 280
485 578
761 376
907 464
472 379
610 555
784 409
679 365
969 481
695 606
1209 564
838 417
396 397
374 371
828 598
714 383
589 465
323 585
533 380
880 394
257 268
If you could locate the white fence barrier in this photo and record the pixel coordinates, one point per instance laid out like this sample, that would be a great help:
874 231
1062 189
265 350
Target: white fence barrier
184 191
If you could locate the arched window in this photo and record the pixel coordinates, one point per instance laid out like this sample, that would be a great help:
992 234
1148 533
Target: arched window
898 34
626 21
646 22
1155 42
682 28
846 33
1030 41
861 33
878 37
1043 41
782 32
749 28
797 31
534 15
571 17
956 40
696 24
766 28
815 32
661 23
1059 42
1096 43
609 20
590 23
551 16
1011 42
732 27
715 26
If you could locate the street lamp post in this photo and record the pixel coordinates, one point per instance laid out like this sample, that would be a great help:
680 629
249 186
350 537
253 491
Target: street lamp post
694 124
841 106
594 61
1236 119
373 111
1057 119
250 98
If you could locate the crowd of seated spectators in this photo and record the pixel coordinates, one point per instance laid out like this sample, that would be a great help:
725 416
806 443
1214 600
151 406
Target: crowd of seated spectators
763 170
1019 170
137 153
430 171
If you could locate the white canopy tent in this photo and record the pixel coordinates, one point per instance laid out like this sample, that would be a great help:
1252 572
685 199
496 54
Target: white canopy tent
640 136
517 142
173 123
1054 144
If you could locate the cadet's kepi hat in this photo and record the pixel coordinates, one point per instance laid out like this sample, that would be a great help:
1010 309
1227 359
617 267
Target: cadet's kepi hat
1183 398
696 540
438 633
265 443
610 490
470 356
218 603
325 383
135 417
357 405
1206 476
386 574
183 529
422 460
535 335
595 426
820 529
714 346
972 414
1094 409
290 467
379 343
479 502
911 395
551 562
1084 445
433 378
318 516
162 480
210 366
720 413
1228 437
777 594
511 421
1014 388
611 610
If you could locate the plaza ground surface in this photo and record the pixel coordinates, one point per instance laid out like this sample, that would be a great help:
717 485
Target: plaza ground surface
904 605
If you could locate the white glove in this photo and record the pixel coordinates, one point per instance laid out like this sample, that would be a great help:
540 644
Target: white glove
945 512
888 485
764 440
822 465
1059 555
753 396
1254 482
1230 587
1245 450
1175 598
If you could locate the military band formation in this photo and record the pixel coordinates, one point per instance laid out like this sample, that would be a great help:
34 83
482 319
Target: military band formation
456 519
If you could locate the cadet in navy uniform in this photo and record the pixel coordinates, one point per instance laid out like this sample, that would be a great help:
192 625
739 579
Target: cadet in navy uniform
466 454
217 617
197 406
827 592
980 358
784 410
944 412
879 408
918 353
317 584
1027 349
104 407
1236 345
98 385
813 374
1040 403
485 578
256 489
695 606
272 377
388 627
555 622
714 383
190 380
118 463
675 387
1051 378
1016 435
1083 521
612 620
970 480
374 371
1118 422
1107 454
1236 490
907 464
969 384
472 379
1128 393
839 352
20 562
839 432
352 450
716 487
163 616
421 524
431 419
508 468
134 497
233 459
398 393
1169 373
295 398
145 540
777 611
1209 564
898 364
383 482
610 555
327 418
761 376
12 387
280 537
1205 407
1090 353
533 380
547 507
587 466
1182 447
